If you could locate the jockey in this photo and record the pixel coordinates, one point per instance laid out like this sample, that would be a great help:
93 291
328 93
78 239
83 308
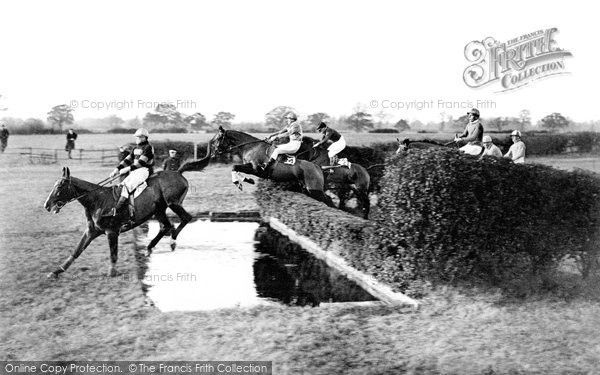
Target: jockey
472 135
294 131
139 162
329 134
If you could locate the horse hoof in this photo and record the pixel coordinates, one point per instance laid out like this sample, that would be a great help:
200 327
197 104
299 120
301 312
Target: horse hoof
112 272
148 252
249 180
52 275
239 185
173 244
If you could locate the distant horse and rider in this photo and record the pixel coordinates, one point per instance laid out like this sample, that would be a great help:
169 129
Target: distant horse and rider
165 189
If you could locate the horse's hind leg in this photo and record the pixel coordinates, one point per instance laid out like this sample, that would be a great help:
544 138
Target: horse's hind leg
321 197
183 215
165 227
85 240
113 243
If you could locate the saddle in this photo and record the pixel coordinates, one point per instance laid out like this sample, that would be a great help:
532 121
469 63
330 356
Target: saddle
289 159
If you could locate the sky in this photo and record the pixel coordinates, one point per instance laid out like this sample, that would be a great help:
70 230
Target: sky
247 57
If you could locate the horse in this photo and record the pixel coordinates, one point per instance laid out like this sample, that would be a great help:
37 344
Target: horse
254 151
164 189
344 179
407 144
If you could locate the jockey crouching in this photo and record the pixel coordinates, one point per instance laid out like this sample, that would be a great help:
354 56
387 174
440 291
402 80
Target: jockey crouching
472 135
329 134
138 164
294 131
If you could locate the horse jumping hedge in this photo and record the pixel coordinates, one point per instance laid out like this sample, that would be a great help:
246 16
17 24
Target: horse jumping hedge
445 218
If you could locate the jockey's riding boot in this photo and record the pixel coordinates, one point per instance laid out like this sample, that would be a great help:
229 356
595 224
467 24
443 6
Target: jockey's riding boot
120 203
265 166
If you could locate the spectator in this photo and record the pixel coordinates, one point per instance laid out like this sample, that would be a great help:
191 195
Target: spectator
173 162
70 146
516 152
3 137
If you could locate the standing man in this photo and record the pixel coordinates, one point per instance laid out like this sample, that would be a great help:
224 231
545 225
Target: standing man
138 164
3 137
329 134
516 152
489 148
470 139
173 162
70 146
294 131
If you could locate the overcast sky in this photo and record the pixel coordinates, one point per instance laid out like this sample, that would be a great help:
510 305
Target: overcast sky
248 57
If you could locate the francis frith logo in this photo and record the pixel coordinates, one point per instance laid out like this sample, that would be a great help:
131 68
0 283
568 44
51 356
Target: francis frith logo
514 63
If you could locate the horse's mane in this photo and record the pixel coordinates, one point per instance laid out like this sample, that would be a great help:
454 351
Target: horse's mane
429 141
236 134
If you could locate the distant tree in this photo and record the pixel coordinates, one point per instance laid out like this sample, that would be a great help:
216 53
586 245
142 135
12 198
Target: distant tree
416 125
165 114
134 123
274 118
113 121
442 124
60 115
360 121
402 125
498 123
315 119
197 121
383 117
524 119
222 119
554 122
2 108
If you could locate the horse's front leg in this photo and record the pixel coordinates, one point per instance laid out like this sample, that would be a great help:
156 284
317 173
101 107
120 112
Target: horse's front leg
237 179
113 243
85 240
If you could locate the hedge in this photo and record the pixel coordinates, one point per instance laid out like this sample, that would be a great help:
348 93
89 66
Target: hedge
444 218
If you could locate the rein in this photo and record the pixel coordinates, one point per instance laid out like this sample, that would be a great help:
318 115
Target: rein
101 183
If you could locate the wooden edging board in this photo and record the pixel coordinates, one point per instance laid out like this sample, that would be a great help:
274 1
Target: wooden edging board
378 290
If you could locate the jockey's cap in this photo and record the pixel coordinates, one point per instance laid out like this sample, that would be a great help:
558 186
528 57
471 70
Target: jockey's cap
516 133
321 125
141 132
291 115
486 139
474 111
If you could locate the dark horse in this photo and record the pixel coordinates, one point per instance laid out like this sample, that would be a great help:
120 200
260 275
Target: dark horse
165 189
407 144
342 178
254 151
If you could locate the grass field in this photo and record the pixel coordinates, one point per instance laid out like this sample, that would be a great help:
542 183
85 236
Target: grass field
86 315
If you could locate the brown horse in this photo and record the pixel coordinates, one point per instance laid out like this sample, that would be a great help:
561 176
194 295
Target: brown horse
165 189
343 179
254 151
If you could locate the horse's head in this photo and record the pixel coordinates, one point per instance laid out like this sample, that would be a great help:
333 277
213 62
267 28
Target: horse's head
220 143
61 194
402 145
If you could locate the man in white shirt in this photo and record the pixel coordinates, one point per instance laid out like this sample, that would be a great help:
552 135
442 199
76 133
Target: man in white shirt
489 148
516 153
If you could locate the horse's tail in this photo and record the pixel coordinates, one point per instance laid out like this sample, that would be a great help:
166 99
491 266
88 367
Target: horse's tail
197 165
194 165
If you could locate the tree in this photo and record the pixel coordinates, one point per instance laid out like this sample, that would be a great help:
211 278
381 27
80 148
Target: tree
383 117
222 119
60 115
498 123
133 123
360 121
165 114
524 119
274 118
402 125
196 121
316 118
554 122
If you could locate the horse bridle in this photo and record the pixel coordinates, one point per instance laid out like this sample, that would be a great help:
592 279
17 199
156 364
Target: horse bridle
220 138
70 186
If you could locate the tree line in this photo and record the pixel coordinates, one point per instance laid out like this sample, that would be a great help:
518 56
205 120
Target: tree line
166 118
